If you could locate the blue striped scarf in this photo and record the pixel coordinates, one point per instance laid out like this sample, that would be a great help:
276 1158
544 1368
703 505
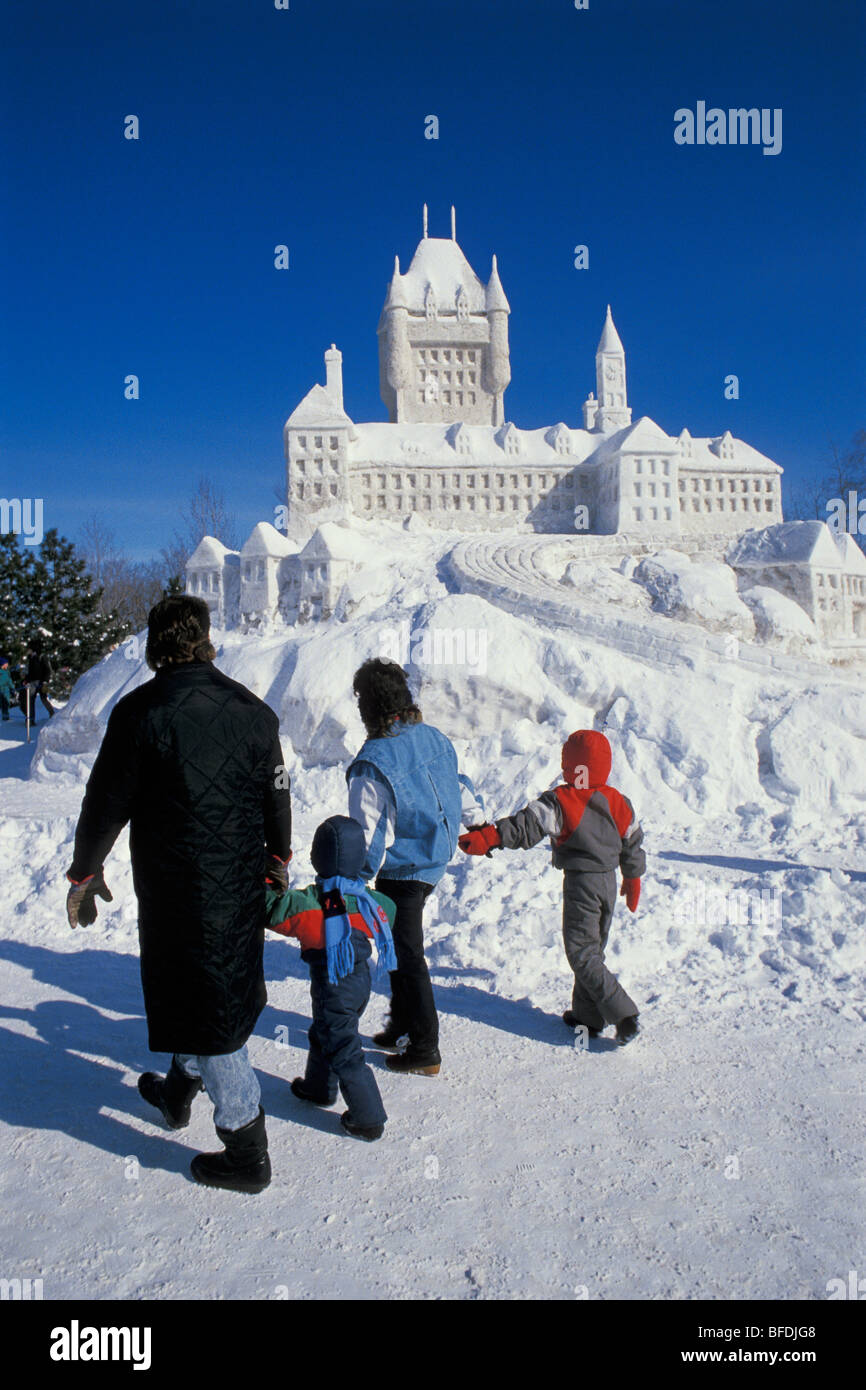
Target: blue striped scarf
338 928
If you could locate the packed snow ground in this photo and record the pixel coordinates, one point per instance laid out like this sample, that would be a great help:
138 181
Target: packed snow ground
719 1156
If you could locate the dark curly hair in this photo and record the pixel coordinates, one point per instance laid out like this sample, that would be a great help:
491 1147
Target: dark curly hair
383 696
178 630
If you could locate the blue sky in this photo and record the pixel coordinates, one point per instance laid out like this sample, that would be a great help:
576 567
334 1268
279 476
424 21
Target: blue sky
306 127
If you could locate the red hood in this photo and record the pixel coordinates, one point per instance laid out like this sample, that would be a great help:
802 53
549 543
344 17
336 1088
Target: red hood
590 750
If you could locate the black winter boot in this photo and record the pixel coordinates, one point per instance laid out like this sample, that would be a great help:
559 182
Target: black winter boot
389 1036
173 1094
243 1166
419 1063
626 1029
368 1132
300 1089
574 1022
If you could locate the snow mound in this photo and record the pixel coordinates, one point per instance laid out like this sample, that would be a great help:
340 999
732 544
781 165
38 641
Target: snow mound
702 590
780 621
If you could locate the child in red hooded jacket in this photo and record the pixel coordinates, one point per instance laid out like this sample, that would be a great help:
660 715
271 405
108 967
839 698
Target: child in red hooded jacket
593 830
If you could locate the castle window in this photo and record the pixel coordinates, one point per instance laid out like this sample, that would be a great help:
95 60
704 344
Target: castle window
317 489
318 441
527 480
638 514
720 485
744 485
666 466
514 480
380 502
696 482
446 356
300 491
470 479
768 505
682 484
320 464
637 489
708 483
515 503
470 398
301 467
410 479
542 480
456 479
380 480
472 378
458 355
456 504
756 485
442 480
398 480
302 441
768 485
652 466
459 397
446 376
366 501
333 489
426 480
732 484
446 396
334 442
485 481
651 489
471 354
638 465
696 504
365 479
500 480
666 489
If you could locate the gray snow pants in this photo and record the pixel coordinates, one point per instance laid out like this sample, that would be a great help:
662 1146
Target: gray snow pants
588 902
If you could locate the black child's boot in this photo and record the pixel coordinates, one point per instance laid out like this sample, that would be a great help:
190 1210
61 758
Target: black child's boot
243 1166
173 1094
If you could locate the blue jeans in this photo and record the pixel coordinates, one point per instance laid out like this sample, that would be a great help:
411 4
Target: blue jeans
231 1084
336 1056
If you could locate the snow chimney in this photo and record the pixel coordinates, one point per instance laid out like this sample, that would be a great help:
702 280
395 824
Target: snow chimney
334 374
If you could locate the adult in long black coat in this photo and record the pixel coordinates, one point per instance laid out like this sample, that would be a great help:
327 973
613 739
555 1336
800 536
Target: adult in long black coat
192 761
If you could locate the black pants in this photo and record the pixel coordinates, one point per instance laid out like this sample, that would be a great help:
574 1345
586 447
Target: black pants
413 1010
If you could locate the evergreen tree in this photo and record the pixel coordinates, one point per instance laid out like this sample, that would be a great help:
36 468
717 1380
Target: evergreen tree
49 595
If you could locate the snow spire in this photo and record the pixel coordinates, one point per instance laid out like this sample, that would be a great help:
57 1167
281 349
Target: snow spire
453 223
494 294
610 339
424 221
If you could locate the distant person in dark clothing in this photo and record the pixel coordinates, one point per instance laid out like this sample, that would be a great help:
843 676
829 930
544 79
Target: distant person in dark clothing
38 678
192 761
7 688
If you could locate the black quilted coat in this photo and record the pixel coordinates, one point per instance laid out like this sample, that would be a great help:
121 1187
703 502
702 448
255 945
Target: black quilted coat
191 760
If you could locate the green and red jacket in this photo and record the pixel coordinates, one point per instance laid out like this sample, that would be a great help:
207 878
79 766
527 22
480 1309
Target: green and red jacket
298 912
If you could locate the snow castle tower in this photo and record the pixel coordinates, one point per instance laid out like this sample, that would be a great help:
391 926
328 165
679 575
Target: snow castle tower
443 339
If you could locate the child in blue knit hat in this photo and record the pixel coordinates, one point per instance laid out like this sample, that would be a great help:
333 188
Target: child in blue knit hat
337 919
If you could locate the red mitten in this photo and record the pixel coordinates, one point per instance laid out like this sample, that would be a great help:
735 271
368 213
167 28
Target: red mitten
630 890
480 839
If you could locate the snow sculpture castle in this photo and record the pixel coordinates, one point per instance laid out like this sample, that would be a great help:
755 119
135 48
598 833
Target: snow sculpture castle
448 458
448 454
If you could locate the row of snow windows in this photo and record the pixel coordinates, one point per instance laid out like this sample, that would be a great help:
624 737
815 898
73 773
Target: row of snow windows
651 489
730 504
653 465
203 582
430 393
757 484
318 441
446 378
652 513
317 465
450 481
431 501
254 571
849 583
437 355
306 491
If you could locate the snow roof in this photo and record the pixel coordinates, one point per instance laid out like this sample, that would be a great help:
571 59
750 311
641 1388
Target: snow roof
610 340
644 435
853 559
265 539
209 551
318 409
434 444
334 542
789 542
439 263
